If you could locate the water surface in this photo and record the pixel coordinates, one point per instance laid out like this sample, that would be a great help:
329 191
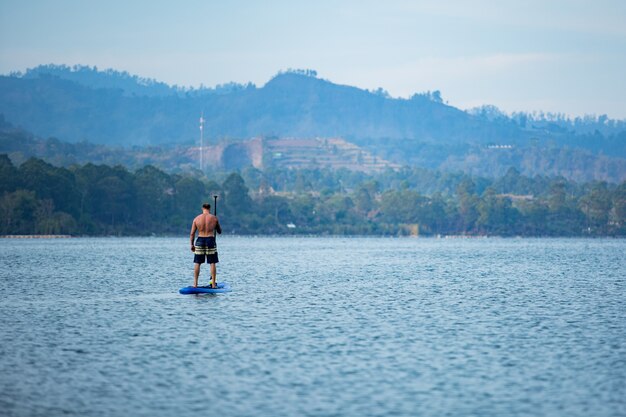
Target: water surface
315 326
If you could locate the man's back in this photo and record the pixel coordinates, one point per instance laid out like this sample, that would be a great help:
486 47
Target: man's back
204 249
206 224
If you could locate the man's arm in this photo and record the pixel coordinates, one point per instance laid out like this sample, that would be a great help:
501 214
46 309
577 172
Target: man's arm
193 234
218 228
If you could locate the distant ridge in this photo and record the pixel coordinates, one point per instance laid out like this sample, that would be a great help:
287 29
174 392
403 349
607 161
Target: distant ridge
115 108
130 85
82 104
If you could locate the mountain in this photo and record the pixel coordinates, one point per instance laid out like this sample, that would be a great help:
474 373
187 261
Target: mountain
115 108
121 80
83 104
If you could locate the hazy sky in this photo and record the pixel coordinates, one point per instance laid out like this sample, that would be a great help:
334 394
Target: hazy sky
564 56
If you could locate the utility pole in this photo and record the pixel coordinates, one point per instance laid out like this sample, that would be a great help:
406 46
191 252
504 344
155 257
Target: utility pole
202 142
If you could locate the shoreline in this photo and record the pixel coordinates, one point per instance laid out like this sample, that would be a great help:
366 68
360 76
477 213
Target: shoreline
331 236
37 236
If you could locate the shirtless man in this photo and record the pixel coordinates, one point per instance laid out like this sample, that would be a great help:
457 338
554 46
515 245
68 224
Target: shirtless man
205 248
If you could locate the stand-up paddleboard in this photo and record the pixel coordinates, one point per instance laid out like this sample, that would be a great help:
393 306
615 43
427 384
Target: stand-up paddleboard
221 288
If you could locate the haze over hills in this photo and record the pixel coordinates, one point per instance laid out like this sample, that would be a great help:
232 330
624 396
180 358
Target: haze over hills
114 108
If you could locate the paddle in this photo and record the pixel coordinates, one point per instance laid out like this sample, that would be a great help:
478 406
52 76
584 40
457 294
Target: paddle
217 225
215 213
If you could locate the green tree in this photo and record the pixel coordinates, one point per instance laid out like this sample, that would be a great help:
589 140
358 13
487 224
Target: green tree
304 210
363 200
618 211
236 197
276 212
112 208
401 206
596 205
496 214
564 217
17 212
9 177
190 194
107 199
557 198
57 184
337 209
535 215
155 197
468 204
433 214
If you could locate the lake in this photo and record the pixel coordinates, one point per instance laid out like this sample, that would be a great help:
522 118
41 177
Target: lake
314 327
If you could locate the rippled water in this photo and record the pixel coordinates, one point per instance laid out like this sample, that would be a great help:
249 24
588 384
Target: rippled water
314 326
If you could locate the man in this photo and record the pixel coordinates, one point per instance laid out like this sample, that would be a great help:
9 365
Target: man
205 248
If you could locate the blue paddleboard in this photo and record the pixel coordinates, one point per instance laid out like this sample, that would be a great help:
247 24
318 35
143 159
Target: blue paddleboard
221 287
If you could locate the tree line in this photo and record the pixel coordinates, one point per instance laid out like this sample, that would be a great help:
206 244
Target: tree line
39 198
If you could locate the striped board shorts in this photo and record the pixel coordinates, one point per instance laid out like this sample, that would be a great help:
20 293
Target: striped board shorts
206 250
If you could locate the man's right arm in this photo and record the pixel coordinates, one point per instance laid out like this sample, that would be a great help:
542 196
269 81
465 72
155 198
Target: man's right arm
218 228
192 234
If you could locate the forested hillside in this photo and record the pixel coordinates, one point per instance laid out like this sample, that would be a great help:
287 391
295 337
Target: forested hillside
580 165
38 198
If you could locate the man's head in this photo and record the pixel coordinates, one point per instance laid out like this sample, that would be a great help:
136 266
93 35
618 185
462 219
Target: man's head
207 207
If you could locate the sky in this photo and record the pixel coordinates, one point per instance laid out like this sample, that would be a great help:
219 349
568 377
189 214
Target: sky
561 56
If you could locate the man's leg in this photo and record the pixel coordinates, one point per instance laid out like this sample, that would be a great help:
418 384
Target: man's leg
214 275
196 274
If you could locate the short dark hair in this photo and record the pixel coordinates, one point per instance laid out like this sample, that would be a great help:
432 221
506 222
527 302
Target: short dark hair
206 206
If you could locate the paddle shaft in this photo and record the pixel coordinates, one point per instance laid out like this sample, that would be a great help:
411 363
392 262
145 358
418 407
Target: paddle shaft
215 213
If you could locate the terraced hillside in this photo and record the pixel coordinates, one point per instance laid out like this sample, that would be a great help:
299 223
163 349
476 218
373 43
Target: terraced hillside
333 153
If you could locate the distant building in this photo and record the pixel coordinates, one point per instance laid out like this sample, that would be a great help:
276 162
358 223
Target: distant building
517 197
